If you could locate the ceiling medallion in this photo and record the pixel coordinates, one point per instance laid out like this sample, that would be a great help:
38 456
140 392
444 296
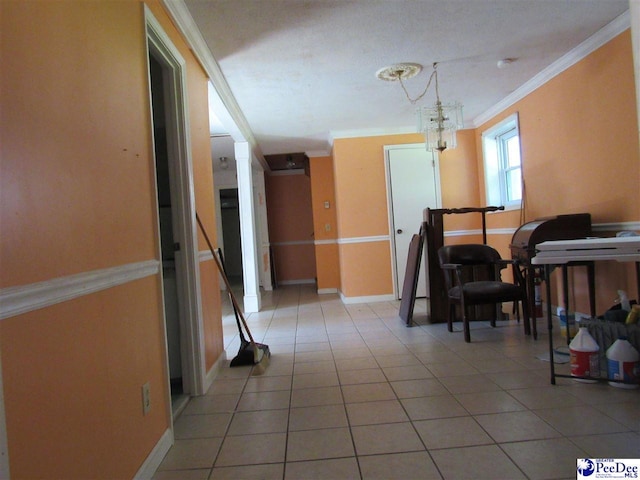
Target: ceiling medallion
399 71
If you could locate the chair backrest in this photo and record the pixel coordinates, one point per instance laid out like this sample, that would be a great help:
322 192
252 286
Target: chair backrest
468 254
478 261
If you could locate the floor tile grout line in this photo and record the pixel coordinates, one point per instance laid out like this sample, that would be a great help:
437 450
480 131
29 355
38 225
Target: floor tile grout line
452 346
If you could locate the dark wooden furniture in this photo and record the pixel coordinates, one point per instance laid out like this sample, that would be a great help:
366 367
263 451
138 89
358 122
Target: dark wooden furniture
559 227
411 273
472 277
434 231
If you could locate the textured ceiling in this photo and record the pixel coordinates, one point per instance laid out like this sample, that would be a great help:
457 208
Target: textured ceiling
303 71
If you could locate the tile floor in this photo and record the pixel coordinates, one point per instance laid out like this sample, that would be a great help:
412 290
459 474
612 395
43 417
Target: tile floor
352 393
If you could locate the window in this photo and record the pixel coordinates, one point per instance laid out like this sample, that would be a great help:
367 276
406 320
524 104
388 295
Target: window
502 163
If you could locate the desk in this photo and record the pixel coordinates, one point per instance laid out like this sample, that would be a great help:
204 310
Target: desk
561 252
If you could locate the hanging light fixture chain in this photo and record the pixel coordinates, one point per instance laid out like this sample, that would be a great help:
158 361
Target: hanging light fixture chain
435 72
419 97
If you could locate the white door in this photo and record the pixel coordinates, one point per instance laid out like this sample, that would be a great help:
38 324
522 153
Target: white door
413 185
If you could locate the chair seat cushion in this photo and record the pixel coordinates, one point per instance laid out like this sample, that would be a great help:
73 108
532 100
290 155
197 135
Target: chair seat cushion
478 293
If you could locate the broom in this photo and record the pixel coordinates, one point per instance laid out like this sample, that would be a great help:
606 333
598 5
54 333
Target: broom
250 353
245 353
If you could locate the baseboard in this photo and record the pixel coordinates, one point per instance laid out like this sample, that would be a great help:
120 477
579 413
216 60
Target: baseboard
325 291
153 461
366 299
213 371
302 281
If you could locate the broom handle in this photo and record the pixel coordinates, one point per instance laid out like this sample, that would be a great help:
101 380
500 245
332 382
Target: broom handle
235 311
226 280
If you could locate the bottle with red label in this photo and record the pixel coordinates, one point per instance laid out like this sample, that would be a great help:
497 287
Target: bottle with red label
584 354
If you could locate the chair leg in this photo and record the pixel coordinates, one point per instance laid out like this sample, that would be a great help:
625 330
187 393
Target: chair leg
465 322
526 314
450 314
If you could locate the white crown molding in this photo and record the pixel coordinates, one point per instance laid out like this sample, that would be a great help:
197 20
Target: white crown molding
379 238
26 298
184 22
370 132
598 39
317 153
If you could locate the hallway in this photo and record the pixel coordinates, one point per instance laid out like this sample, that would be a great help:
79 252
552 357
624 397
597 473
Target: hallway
351 393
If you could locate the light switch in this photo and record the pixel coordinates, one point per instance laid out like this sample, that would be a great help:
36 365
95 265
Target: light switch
327 204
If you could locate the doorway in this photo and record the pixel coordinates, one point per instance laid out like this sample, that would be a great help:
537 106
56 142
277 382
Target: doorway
176 218
231 239
413 184
168 243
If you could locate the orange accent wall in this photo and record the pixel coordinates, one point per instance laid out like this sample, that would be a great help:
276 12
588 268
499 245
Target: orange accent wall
322 190
76 151
365 269
77 193
361 204
580 153
291 231
360 183
579 139
72 377
459 182
328 267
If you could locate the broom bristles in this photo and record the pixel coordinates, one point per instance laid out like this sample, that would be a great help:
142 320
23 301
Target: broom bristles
260 360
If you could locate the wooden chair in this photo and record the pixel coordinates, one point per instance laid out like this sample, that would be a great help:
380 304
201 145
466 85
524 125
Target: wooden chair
472 277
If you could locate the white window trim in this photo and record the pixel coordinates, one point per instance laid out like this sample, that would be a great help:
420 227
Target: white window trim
491 163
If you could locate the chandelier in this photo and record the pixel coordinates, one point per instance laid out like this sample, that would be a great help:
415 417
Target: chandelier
439 122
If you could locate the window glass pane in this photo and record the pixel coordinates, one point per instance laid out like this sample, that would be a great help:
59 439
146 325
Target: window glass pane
514 185
502 163
513 151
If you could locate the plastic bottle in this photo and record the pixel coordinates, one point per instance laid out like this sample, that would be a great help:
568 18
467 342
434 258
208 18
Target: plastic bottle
537 296
623 363
624 301
584 356
562 315
633 315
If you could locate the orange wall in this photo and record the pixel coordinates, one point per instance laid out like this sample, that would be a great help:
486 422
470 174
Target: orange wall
72 377
322 190
71 167
579 139
459 180
580 154
77 193
361 205
291 232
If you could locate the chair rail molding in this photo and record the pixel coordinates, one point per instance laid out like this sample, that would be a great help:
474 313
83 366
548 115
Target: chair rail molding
25 298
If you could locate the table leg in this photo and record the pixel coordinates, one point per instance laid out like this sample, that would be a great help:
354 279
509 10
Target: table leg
547 282
591 276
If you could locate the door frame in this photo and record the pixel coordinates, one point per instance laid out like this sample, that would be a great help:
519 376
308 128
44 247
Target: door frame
182 186
387 172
